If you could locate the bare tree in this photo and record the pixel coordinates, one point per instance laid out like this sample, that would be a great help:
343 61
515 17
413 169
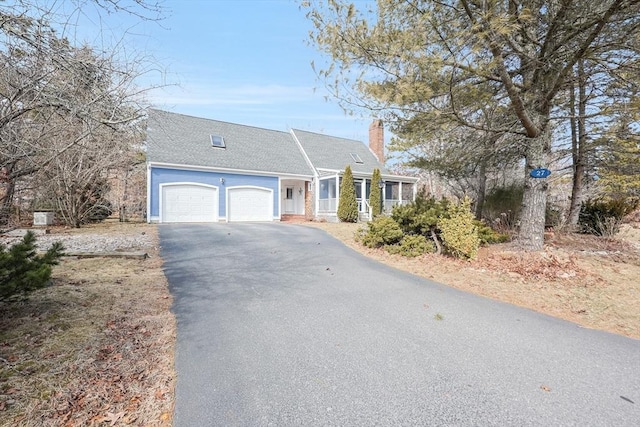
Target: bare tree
95 134
66 113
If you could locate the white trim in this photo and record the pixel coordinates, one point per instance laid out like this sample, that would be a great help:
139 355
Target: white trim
235 187
330 172
149 219
399 178
316 196
279 198
327 173
315 180
337 178
375 155
304 153
195 184
226 170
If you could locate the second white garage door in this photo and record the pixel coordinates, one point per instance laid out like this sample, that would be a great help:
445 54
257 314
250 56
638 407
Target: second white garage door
250 204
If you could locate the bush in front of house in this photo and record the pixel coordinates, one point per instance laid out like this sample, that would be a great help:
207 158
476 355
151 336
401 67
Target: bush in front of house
489 236
348 205
459 232
412 245
381 231
422 215
502 206
375 196
22 270
603 217
427 225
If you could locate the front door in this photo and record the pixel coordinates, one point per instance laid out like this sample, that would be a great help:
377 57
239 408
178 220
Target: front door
289 206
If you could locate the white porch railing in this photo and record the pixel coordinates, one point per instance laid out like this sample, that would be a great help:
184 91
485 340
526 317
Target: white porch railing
327 205
331 206
364 209
363 206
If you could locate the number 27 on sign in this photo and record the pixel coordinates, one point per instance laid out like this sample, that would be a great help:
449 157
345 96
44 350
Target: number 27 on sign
540 173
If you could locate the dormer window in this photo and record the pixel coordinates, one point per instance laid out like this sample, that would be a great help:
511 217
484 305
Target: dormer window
356 158
217 141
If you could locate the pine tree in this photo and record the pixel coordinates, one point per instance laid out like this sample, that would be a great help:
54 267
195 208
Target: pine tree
514 56
375 198
619 170
348 207
22 270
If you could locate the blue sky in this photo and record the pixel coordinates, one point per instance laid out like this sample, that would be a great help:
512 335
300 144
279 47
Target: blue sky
242 61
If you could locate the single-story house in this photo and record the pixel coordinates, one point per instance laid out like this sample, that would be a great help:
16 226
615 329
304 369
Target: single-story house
202 170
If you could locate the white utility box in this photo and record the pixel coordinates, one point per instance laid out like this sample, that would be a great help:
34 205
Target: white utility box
42 218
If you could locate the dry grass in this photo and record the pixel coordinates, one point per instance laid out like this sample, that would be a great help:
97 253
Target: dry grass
95 348
588 280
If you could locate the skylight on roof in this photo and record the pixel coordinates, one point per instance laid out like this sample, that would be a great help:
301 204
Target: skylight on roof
356 158
217 141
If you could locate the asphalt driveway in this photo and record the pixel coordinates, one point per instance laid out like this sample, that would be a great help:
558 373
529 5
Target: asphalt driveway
282 325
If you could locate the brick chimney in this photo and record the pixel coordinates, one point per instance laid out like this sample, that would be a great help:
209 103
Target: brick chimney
376 139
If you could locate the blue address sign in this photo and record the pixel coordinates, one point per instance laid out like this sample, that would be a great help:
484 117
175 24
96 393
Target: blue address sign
540 173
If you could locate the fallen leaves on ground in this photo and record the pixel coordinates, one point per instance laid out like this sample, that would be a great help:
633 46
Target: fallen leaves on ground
93 349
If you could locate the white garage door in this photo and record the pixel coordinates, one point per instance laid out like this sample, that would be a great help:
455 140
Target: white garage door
250 204
189 203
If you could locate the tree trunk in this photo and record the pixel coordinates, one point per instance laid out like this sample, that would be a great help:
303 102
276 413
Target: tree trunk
434 236
482 189
578 147
7 199
122 211
534 199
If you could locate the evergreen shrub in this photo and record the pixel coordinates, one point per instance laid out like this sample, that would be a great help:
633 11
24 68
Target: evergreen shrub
502 206
375 196
412 246
348 204
488 235
603 217
381 231
422 215
22 270
459 231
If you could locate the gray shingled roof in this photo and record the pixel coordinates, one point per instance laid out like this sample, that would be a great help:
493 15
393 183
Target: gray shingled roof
180 139
330 152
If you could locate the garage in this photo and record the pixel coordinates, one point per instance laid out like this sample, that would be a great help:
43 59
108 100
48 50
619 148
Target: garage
189 203
250 204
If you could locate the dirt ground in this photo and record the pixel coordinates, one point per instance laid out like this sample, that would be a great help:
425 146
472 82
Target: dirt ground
95 348
592 281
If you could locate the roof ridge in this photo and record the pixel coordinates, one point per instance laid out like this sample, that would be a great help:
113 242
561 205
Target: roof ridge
327 136
219 121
